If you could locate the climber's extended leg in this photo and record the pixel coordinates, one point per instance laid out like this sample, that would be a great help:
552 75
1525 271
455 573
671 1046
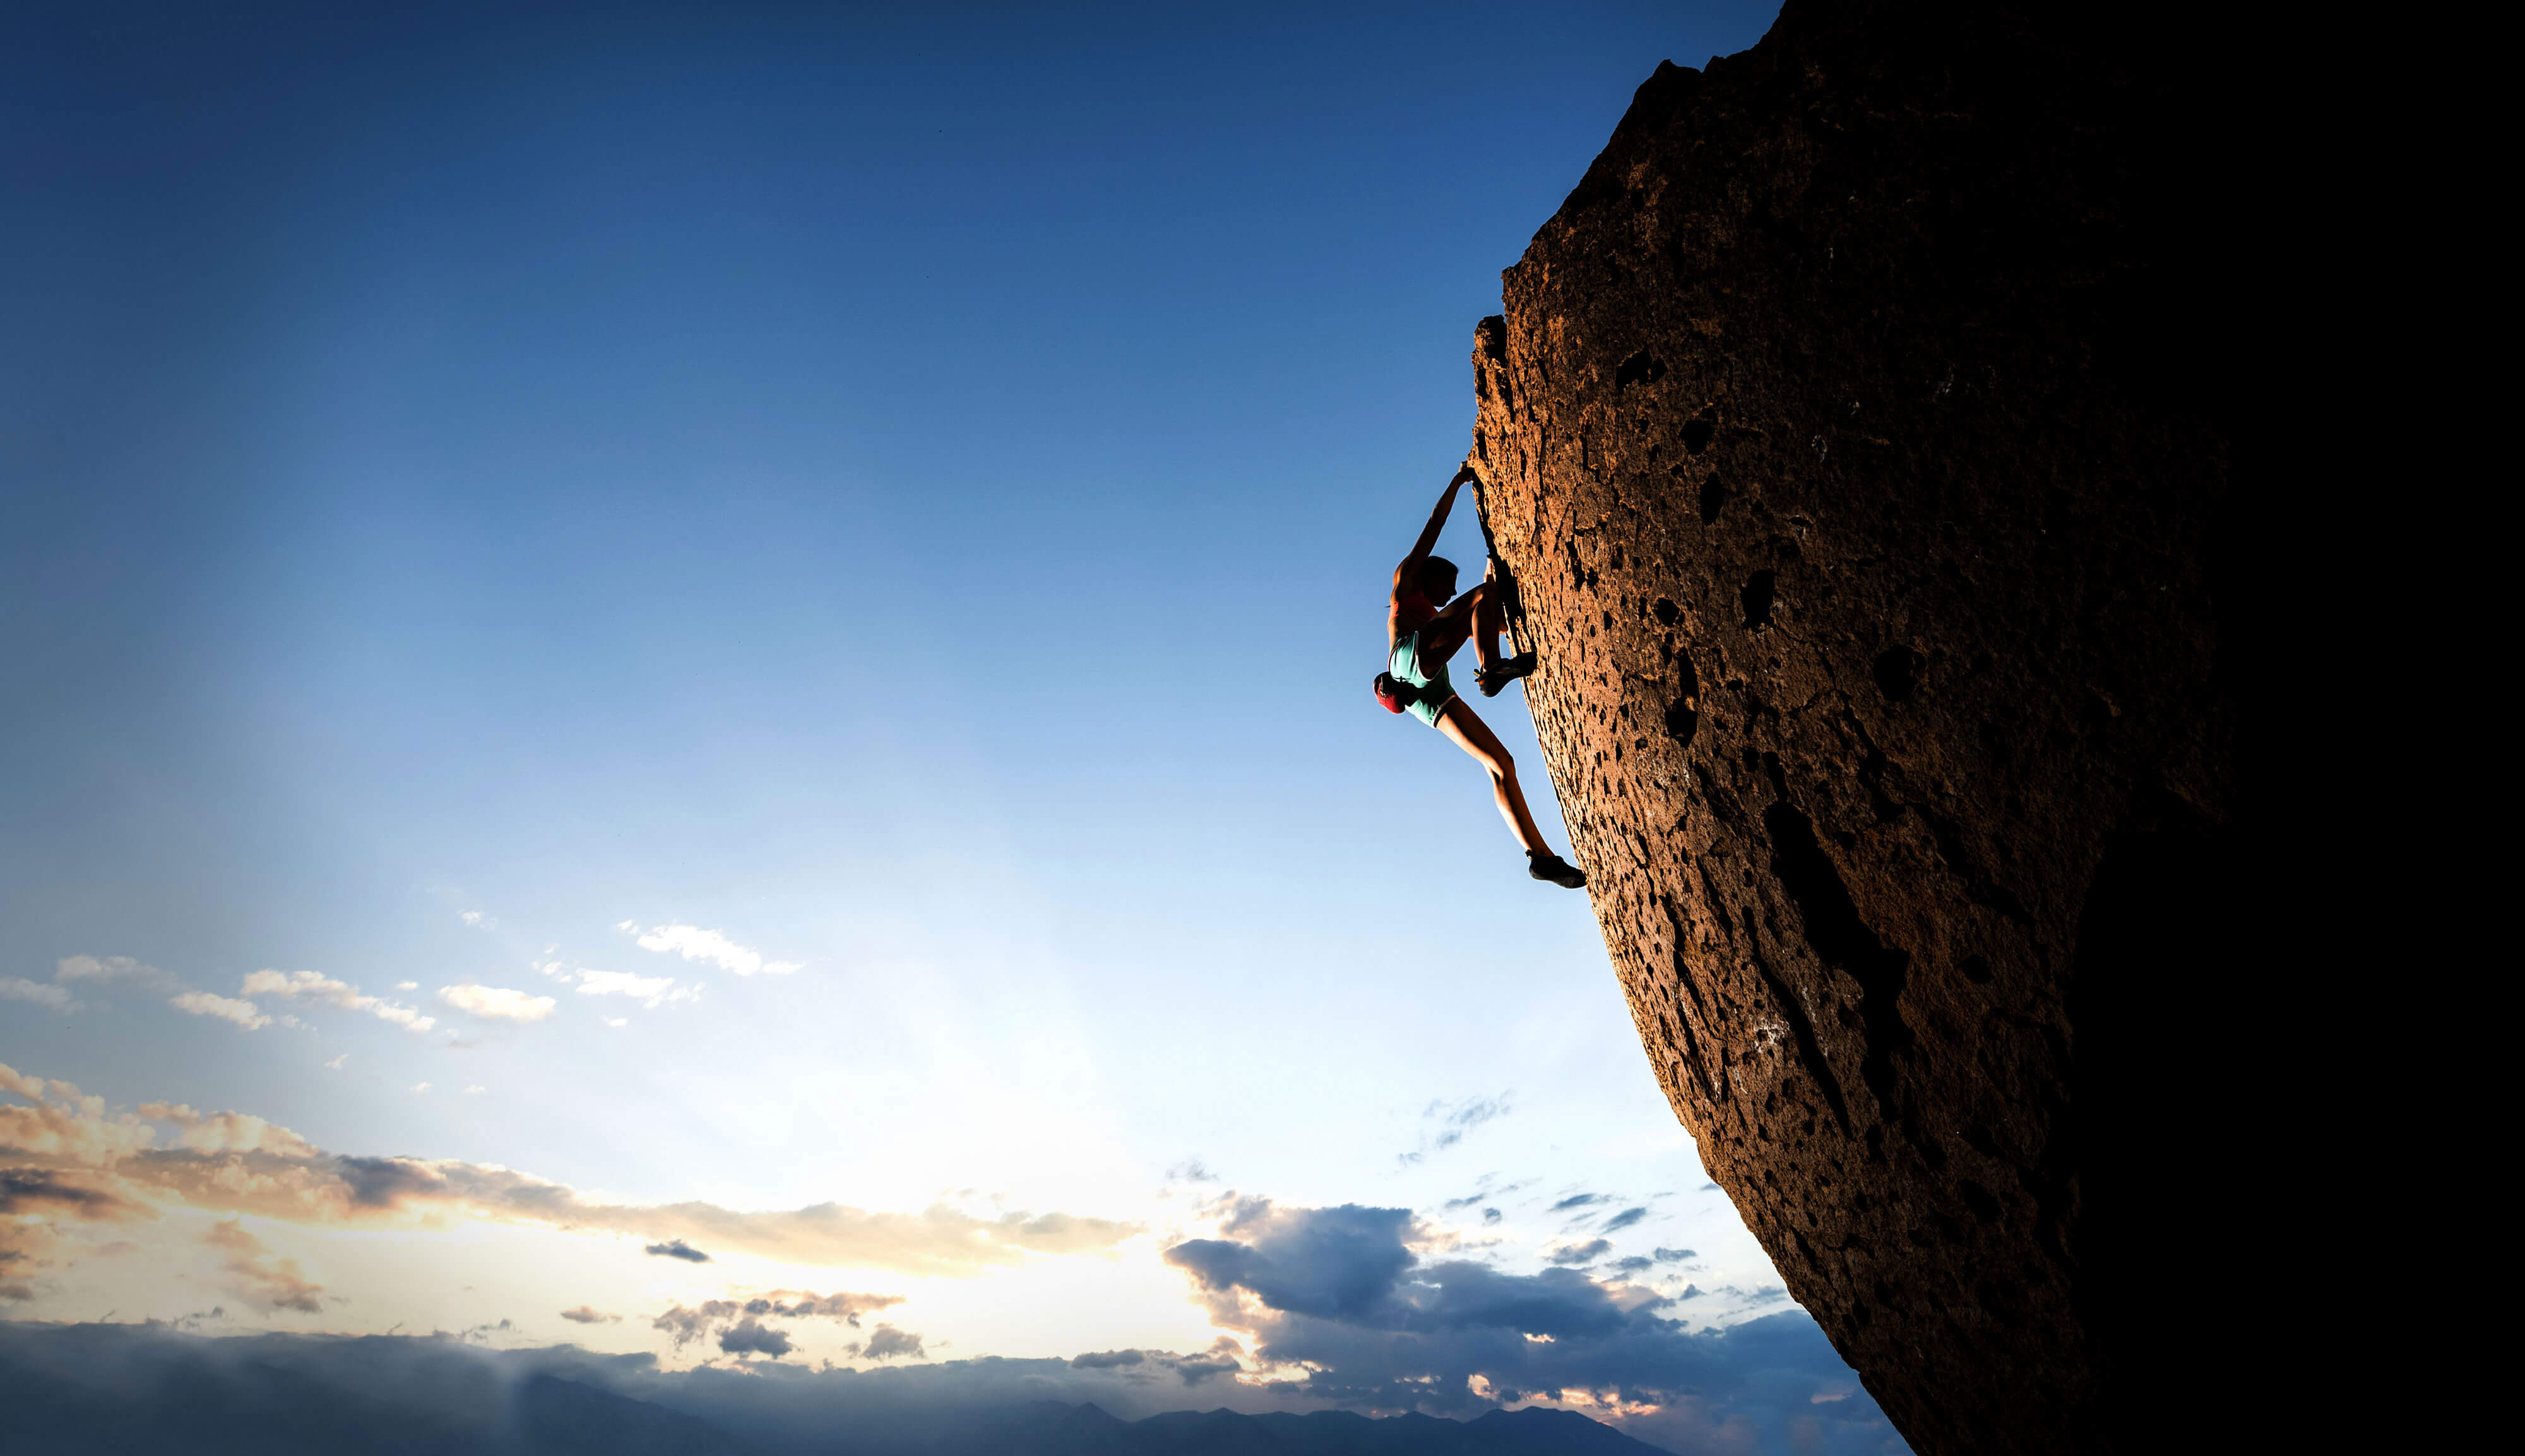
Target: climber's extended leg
1460 723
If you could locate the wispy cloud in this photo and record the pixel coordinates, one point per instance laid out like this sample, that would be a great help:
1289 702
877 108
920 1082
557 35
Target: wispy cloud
1454 1119
587 1315
497 1003
52 997
313 989
651 992
246 1014
103 970
95 973
236 1164
692 943
677 1248
275 1284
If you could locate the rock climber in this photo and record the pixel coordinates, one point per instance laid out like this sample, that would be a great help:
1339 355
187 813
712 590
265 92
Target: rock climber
1423 636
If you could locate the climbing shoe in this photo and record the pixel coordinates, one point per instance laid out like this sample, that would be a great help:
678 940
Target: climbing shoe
1543 865
1502 673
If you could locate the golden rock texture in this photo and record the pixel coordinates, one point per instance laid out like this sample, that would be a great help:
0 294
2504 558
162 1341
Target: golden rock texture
1853 435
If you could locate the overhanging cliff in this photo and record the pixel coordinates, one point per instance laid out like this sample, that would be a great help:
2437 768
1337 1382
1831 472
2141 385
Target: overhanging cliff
1854 434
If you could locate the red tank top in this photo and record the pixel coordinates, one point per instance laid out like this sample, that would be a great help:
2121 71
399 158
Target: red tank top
1411 612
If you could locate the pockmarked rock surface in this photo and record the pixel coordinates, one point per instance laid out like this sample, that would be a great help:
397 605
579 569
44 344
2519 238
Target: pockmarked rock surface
1853 432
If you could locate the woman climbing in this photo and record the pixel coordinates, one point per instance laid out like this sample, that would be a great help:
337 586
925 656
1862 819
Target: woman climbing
1423 636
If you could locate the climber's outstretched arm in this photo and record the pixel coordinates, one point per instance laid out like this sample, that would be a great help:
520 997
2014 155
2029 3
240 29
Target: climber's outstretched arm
1428 541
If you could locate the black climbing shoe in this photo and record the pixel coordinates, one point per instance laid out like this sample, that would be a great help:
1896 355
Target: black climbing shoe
1543 865
1506 671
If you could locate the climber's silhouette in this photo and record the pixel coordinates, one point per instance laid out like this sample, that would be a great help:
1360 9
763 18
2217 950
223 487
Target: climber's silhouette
1423 635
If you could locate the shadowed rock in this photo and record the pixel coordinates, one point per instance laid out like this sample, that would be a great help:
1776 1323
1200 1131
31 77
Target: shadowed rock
1856 433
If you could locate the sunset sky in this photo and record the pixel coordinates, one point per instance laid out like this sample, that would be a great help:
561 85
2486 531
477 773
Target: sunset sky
682 655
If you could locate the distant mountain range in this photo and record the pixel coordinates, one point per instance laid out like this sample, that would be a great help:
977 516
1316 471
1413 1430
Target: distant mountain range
90 1390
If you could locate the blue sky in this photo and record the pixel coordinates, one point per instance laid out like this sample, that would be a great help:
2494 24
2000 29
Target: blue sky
514 503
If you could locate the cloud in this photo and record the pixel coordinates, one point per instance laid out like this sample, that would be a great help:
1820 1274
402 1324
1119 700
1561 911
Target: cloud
678 1249
750 1337
313 989
109 970
1191 1170
497 1004
1580 1253
1675 1255
651 992
1107 1360
256 1276
807 1304
246 1014
335 1064
1340 1301
225 1132
1484 1193
1221 1358
233 1163
695 943
586 1315
1624 1219
19 989
888 1343
1454 1120
475 918
1331 1262
1580 1200
741 1330
684 1326
26 1192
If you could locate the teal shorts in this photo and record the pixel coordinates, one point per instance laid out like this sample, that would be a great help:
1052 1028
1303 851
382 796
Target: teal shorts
1434 690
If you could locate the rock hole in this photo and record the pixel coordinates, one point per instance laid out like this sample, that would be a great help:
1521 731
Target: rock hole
1639 369
1682 721
1984 1206
1760 590
1713 496
1976 970
1668 613
1898 672
1697 435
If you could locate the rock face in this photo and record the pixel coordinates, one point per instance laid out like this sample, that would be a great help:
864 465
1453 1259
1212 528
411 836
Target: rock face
1855 434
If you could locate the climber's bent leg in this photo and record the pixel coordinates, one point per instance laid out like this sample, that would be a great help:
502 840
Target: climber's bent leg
1490 619
1460 621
